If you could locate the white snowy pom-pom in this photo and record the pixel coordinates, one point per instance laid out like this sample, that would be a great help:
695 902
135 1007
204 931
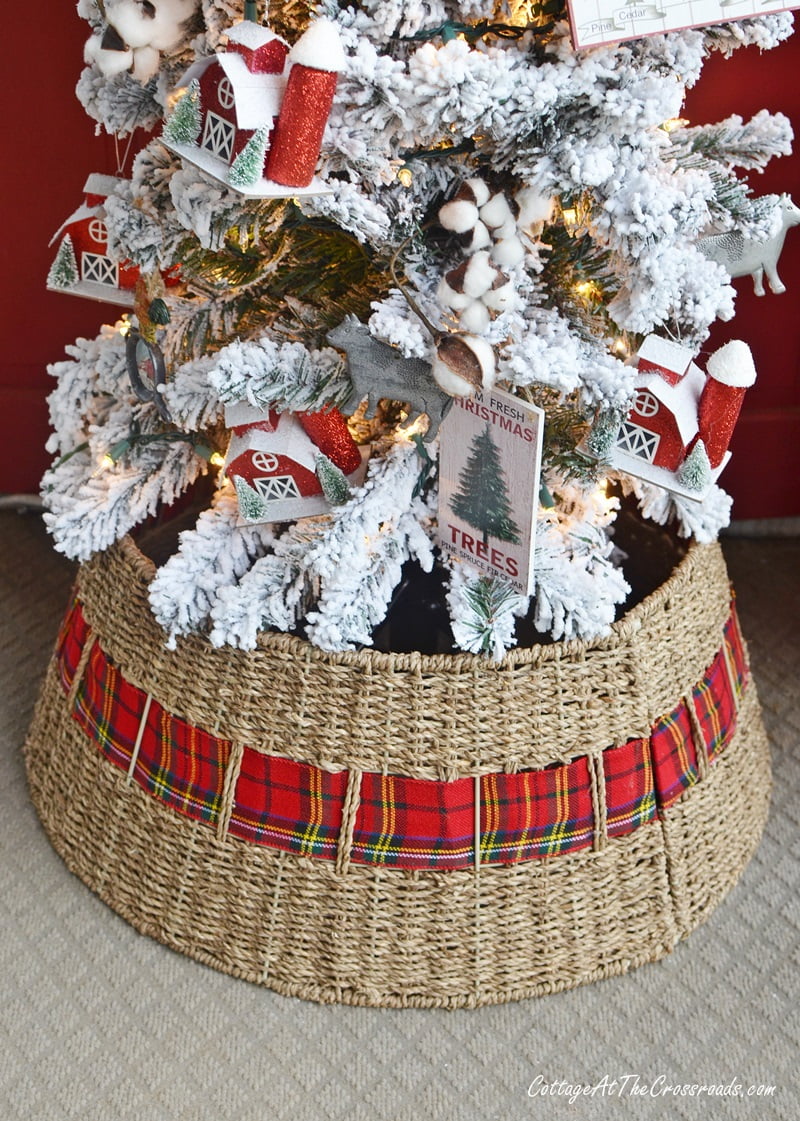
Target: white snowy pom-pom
475 190
508 253
502 295
320 48
458 215
108 62
732 365
534 208
450 297
475 317
478 237
462 364
496 211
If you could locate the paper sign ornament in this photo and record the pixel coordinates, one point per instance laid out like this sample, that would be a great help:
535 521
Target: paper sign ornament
489 466
611 21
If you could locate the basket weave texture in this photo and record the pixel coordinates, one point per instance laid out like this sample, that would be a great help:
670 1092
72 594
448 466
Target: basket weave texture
372 934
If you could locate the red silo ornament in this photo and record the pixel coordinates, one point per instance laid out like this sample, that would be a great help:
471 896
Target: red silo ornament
731 372
316 60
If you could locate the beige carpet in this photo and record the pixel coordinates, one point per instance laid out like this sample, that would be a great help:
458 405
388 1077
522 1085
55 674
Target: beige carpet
102 1024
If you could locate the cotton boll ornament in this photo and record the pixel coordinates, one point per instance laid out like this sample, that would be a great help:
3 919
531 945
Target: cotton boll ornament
452 295
135 34
479 289
460 215
474 189
463 364
108 53
502 296
477 274
475 317
534 210
508 253
467 282
475 238
496 212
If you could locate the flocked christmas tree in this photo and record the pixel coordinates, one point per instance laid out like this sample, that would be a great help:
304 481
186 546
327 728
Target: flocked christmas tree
496 206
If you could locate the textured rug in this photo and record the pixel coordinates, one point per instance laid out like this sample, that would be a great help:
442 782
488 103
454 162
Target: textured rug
102 1024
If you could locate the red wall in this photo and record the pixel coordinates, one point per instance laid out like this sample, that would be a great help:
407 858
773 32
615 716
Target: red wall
762 475
51 152
54 149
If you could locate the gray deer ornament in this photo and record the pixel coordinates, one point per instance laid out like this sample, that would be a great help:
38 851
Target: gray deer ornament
378 370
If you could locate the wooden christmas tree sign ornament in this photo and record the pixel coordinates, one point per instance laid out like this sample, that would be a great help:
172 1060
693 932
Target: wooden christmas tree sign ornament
489 465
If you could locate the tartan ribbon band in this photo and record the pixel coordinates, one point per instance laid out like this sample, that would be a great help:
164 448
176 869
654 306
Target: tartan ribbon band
399 821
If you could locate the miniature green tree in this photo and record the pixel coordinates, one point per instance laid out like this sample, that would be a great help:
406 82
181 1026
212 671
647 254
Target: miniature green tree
183 124
64 269
248 167
252 506
603 433
332 480
695 471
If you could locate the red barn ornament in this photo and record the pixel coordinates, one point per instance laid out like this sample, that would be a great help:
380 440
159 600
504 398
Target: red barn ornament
82 265
677 431
262 109
273 461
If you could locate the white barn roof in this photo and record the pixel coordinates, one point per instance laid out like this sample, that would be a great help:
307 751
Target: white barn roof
257 97
682 399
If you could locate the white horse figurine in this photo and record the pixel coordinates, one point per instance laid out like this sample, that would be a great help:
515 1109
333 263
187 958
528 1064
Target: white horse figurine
745 256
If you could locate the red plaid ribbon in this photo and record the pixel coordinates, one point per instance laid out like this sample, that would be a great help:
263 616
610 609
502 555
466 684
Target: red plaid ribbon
630 787
674 756
402 822
176 762
288 805
70 643
734 647
715 705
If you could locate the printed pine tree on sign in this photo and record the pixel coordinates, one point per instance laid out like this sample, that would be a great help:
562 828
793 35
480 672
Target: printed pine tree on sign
482 500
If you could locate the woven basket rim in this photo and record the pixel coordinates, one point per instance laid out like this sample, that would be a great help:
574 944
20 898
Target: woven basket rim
274 642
